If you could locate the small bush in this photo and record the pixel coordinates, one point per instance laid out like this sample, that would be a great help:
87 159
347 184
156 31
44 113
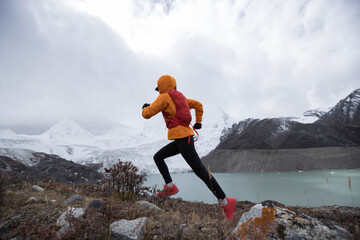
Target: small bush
125 181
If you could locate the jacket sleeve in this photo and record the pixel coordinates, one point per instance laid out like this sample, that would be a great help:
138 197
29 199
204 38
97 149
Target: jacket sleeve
157 106
193 104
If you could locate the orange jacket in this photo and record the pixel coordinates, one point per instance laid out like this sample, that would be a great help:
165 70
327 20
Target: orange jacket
165 103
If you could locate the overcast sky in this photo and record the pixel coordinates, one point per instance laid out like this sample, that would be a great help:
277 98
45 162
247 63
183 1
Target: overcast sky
97 62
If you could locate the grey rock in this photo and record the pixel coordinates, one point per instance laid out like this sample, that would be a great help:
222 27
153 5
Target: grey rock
95 204
148 205
128 230
75 212
272 220
37 188
74 198
63 231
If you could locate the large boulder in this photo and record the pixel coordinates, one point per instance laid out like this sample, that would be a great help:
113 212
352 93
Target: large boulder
272 220
128 230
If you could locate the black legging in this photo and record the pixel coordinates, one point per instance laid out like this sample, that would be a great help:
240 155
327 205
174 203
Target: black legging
192 158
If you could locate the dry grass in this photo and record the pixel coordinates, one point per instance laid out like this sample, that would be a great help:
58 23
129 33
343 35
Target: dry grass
178 219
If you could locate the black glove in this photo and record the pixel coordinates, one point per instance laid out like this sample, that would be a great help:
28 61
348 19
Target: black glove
197 125
145 105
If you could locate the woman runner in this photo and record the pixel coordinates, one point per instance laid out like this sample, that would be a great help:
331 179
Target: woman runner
176 109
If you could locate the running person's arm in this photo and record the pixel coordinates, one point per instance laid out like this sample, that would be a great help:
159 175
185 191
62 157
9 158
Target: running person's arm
193 104
157 106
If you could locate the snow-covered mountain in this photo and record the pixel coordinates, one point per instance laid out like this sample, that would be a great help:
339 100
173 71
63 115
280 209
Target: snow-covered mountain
68 130
338 127
7 133
346 112
288 144
135 143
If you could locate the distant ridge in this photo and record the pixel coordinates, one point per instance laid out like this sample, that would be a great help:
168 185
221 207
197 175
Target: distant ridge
339 127
331 142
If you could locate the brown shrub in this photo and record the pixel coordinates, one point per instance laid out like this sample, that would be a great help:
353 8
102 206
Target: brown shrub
125 181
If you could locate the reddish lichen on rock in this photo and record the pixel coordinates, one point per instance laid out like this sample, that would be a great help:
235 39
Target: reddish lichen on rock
260 227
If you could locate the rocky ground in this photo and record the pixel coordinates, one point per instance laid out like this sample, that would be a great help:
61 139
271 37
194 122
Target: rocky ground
30 214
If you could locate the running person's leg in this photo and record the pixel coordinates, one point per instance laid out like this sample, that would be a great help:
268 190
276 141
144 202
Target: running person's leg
167 151
192 158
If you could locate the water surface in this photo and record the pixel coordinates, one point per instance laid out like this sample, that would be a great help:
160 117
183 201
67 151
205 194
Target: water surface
308 188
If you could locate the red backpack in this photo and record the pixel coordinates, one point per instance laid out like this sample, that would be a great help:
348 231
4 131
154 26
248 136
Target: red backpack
183 114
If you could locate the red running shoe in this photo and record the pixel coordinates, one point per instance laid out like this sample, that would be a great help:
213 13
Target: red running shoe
168 191
229 209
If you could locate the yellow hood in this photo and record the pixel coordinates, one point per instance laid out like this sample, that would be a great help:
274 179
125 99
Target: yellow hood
166 83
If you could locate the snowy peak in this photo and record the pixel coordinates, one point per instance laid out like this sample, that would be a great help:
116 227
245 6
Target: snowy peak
346 112
217 118
67 129
7 133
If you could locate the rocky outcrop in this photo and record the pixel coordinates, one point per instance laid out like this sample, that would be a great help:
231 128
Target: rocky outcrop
272 220
254 160
49 166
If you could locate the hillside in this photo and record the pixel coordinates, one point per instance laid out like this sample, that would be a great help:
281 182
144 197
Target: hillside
282 133
51 167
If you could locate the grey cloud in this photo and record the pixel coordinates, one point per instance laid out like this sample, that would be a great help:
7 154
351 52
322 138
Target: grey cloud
59 63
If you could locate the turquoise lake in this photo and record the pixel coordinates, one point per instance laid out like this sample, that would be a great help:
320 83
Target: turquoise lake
308 188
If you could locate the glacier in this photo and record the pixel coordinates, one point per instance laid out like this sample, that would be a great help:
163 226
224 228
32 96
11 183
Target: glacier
127 142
